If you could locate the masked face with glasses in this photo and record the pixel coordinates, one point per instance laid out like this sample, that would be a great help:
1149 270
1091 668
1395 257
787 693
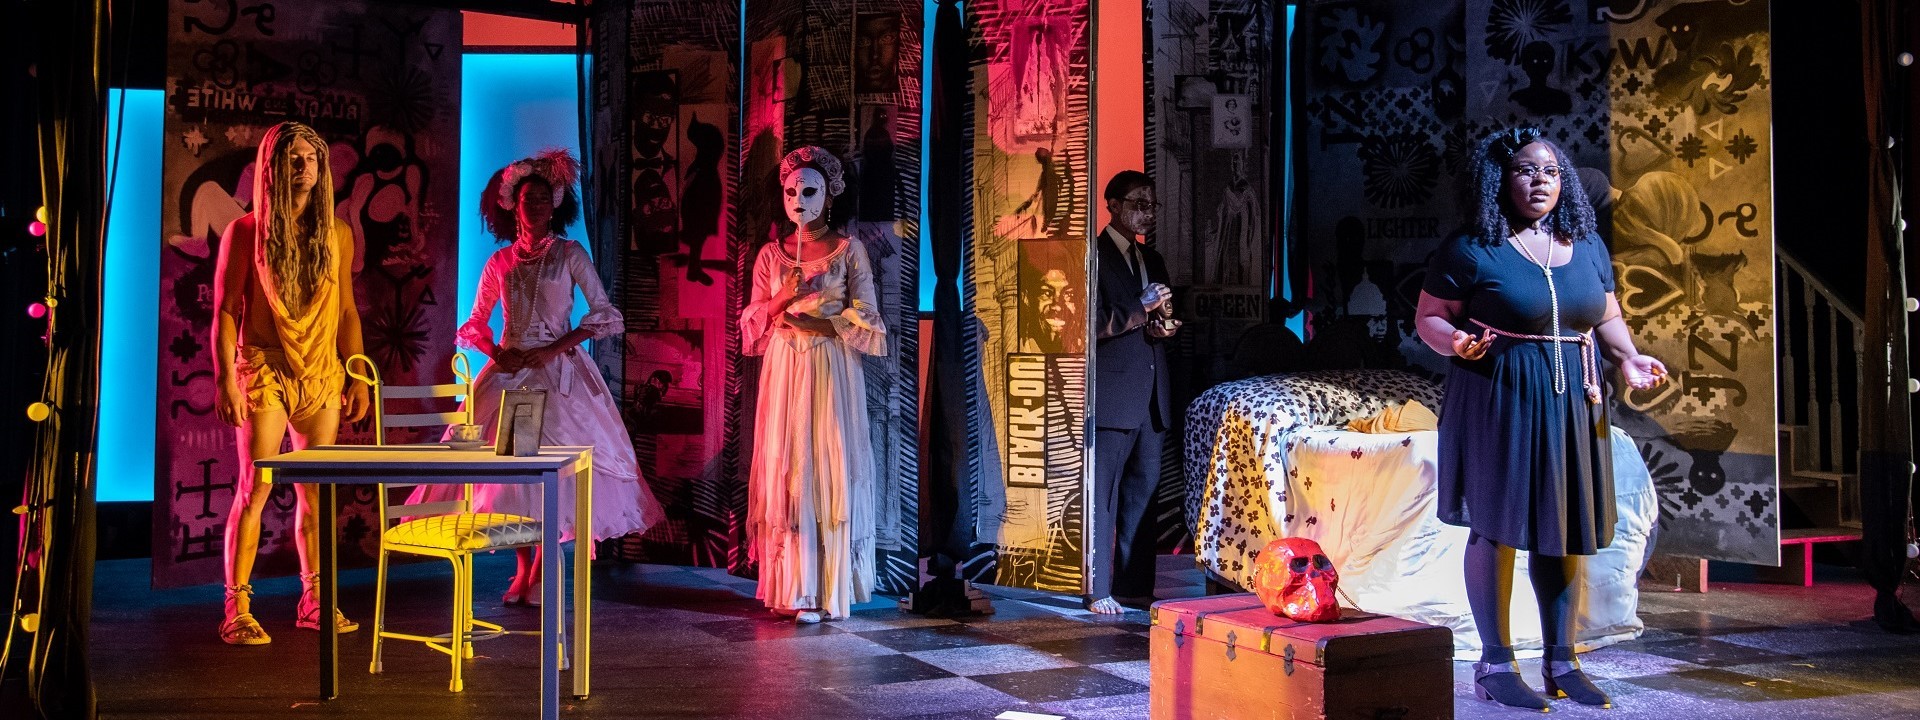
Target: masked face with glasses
1532 182
1134 214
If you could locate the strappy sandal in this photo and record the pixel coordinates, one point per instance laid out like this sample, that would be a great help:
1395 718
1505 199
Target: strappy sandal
241 628
309 618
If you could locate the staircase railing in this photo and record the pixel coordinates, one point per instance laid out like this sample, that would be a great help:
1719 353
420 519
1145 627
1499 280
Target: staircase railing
1820 341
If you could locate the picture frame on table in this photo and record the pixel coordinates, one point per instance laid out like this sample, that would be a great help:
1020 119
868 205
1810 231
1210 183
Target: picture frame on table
522 414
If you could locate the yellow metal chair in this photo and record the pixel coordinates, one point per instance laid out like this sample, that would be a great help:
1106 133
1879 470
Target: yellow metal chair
447 529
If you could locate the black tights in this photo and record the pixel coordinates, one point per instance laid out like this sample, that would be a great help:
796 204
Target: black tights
1490 593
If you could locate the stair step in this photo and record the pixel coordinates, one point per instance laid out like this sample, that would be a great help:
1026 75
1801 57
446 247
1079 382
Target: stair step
1795 536
1798 479
1822 476
1805 484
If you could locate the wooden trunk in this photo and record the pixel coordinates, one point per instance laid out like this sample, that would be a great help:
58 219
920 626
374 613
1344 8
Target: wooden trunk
1228 658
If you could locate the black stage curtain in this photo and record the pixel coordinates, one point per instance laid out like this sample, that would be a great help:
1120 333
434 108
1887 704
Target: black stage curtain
69 98
947 531
1886 445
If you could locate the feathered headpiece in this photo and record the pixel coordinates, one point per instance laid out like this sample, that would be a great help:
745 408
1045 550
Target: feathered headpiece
819 159
555 165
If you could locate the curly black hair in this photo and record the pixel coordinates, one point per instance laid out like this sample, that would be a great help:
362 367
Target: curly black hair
1485 202
504 224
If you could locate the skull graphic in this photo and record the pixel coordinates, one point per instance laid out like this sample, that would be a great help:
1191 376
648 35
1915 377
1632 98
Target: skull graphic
1295 579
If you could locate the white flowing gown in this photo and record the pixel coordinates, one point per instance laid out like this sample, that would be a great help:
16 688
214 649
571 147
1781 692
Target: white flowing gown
538 297
810 502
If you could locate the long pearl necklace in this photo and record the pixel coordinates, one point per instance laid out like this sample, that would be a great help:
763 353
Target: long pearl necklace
1553 297
531 264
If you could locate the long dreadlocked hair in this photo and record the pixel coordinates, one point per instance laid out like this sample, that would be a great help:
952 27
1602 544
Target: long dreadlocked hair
1485 201
299 248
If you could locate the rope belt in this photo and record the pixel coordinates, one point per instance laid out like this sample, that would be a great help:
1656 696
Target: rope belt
1589 359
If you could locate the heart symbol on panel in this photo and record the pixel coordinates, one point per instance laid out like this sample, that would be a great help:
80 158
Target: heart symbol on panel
1647 291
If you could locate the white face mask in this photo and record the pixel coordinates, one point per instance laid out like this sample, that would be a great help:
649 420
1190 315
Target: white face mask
804 196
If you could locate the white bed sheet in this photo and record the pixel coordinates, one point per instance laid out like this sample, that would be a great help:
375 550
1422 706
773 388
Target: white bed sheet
1369 500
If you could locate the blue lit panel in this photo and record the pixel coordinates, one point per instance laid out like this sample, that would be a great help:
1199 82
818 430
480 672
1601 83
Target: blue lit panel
512 106
928 278
130 335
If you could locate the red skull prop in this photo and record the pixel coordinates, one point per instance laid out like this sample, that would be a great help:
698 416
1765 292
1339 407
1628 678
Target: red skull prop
1295 579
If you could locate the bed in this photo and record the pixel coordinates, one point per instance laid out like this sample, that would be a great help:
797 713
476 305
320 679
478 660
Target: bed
1269 457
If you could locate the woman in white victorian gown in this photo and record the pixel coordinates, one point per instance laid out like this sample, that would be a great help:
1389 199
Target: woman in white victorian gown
528 204
813 313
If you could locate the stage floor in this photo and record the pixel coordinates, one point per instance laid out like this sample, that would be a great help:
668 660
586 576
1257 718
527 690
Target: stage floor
675 642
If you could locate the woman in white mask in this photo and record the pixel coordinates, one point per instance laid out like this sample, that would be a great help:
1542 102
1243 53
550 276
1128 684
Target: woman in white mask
813 312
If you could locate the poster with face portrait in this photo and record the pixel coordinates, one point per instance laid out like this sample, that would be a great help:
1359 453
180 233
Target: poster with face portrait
655 191
1053 318
381 85
876 53
1025 281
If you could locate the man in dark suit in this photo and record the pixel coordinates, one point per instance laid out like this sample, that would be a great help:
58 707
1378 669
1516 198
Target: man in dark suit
1131 397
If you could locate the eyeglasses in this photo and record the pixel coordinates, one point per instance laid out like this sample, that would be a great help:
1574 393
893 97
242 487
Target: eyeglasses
1532 171
1147 205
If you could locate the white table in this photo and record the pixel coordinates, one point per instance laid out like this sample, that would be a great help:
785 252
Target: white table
332 465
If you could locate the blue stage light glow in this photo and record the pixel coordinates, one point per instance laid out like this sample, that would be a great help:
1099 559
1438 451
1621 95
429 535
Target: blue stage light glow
130 331
512 106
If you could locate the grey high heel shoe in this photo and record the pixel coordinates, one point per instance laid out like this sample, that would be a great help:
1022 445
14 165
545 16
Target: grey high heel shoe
1566 680
1501 683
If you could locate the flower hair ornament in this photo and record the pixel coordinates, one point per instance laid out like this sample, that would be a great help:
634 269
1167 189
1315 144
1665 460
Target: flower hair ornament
819 159
555 165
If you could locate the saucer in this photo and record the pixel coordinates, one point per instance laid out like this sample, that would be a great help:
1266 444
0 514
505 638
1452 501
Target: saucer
472 445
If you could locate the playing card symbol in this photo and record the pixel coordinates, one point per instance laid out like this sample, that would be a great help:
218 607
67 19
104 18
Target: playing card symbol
1647 291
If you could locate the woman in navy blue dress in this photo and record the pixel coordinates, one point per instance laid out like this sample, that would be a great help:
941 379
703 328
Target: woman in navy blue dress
1522 299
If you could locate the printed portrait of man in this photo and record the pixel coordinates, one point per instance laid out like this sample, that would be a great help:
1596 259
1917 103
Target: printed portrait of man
876 53
1051 317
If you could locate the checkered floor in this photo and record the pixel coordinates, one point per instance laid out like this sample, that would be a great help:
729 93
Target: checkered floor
1038 653
676 642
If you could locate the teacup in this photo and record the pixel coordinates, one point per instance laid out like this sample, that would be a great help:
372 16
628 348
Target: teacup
465 433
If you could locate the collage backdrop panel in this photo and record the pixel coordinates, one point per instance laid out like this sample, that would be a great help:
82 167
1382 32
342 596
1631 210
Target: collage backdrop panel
696 126
382 84
1026 280
1664 111
1693 254
668 136
1210 148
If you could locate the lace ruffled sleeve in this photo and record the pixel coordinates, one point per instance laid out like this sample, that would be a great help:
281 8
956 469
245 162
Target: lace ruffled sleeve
756 322
602 318
476 328
861 325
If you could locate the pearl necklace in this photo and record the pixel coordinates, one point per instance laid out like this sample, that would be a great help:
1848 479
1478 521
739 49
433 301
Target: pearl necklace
1553 297
530 265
